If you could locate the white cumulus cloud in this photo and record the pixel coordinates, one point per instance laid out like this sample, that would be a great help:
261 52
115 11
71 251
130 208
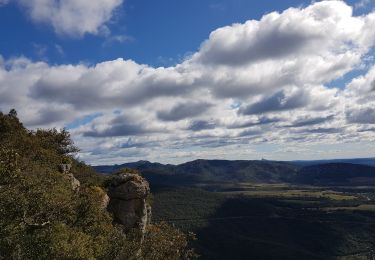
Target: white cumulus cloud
260 82
70 17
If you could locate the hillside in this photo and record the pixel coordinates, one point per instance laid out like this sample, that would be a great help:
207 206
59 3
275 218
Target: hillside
53 206
211 170
142 166
362 161
337 174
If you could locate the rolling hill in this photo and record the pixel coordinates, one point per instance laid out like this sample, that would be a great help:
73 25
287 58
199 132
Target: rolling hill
211 170
337 174
225 171
362 161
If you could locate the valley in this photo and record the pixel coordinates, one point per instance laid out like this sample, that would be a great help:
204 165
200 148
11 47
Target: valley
271 224
183 130
243 218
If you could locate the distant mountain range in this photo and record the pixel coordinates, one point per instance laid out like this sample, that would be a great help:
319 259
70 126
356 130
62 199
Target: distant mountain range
332 172
363 161
337 174
212 170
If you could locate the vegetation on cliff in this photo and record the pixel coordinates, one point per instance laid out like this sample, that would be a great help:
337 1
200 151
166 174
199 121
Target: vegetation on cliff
42 215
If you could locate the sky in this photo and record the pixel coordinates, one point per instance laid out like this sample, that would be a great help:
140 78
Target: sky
173 81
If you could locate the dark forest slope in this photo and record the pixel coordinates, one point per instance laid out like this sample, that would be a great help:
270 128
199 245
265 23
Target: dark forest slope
337 174
212 170
219 171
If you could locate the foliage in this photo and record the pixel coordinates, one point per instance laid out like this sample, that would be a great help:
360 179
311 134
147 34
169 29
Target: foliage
160 242
87 175
43 217
163 241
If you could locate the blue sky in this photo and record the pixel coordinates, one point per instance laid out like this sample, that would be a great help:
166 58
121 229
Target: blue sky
158 33
141 79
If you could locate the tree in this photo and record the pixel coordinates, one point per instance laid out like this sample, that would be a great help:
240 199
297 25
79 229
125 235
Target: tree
12 113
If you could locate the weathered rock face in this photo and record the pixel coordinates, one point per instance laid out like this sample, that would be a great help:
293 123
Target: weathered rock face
75 183
104 203
128 193
65 168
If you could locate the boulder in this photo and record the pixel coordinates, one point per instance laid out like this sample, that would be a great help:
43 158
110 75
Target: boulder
105 201
75 183
128 193
65 169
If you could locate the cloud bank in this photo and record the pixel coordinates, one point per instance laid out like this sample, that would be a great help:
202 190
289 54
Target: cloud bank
265 82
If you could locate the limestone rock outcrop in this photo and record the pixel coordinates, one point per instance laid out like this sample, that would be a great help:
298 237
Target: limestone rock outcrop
128 194
105 201
65 168
75 183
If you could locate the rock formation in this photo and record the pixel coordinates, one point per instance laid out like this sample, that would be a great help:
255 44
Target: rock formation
128 193
65 168
105 201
